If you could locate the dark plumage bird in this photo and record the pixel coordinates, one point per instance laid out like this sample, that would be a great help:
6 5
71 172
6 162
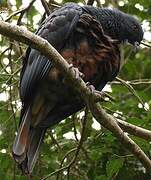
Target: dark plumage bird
86 37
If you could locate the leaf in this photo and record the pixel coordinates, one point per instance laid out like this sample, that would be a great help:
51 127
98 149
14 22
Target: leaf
102 177
113 166
95 154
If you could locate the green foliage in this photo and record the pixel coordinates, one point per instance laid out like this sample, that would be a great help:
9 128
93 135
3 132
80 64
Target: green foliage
113 166
101 157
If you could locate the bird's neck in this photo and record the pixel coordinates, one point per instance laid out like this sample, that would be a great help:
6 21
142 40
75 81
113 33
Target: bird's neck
110 21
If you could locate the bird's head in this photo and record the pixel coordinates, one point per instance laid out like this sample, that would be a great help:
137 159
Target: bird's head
121 26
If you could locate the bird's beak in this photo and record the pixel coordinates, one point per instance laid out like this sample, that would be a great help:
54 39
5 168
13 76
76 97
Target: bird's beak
136 45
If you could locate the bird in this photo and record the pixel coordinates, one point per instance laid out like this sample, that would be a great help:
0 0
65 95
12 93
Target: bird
88 38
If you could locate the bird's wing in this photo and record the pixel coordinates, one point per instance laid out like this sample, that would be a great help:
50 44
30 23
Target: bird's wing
96 55
56 29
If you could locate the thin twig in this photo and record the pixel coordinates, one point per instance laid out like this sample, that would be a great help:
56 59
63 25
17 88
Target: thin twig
81 140
132 90
46 7
135 82
54 140
55 172
76 153
74 127
147 45
8 85
22 11
62 161
2 53
140 82
11 91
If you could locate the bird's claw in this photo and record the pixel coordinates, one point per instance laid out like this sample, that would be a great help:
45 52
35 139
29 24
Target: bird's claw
101 93
90 87
76 71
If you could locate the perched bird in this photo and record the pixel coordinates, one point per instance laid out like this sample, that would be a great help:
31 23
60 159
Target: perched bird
87 37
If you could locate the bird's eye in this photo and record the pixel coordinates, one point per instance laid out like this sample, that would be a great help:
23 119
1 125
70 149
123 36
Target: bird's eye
135 27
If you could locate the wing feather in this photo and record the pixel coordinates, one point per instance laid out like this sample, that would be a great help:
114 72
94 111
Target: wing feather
56 29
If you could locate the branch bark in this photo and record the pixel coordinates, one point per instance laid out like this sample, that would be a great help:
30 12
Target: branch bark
46 7
34 41
134 130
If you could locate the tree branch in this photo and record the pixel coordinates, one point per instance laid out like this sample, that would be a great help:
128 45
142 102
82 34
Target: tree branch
46 7
110 123
130 128
134 130
24 36
132 90
21 11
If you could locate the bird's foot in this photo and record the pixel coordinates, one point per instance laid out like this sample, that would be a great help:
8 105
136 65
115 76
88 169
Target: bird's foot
101 93
93 90
90 87
76 71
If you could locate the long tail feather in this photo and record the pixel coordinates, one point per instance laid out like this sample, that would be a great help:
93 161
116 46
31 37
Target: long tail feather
21 140
33 150
27 143
35 139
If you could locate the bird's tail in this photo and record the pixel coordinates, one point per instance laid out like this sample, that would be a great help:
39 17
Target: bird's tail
27 143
